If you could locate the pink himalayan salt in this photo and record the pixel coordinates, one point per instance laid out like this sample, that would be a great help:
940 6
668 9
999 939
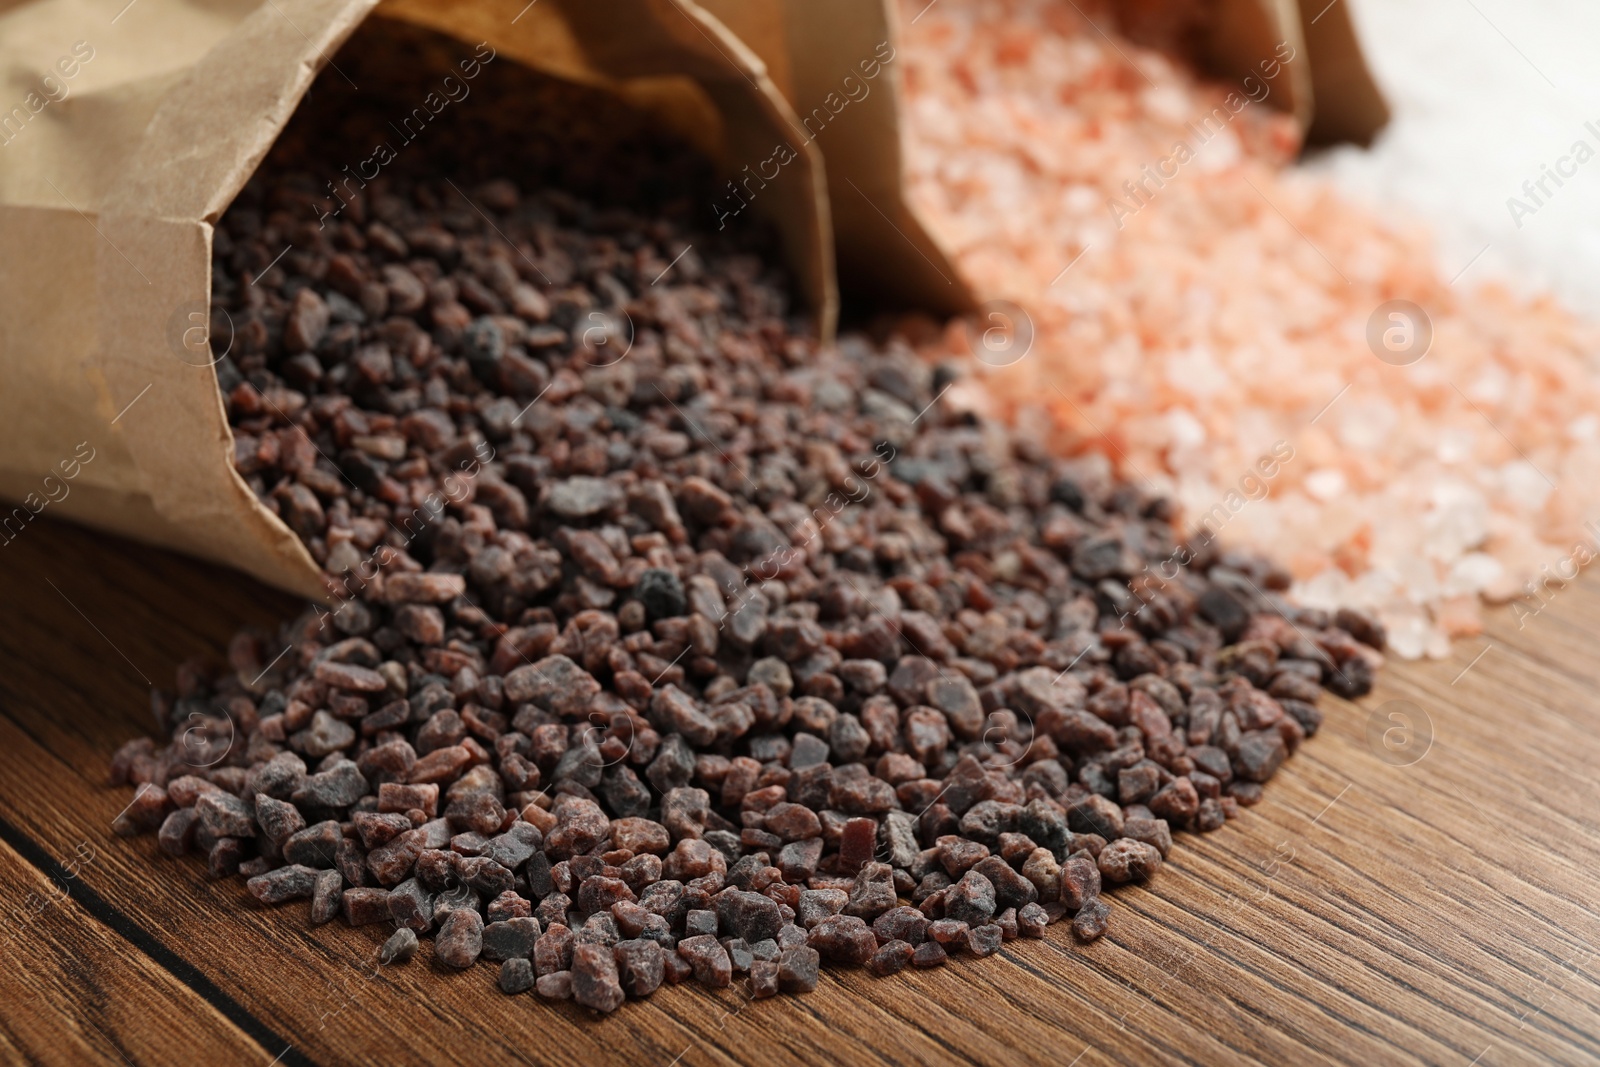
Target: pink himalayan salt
1229 311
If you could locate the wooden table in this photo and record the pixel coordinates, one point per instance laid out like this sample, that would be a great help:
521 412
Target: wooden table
1406 893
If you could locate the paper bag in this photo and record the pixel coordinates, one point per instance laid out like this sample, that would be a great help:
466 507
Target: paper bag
835 62
1349 105
125 131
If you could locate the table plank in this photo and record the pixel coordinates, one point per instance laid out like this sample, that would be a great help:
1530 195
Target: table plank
73 994
1437 912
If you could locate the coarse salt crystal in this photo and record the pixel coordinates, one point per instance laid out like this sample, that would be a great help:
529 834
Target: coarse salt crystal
1325 484
1473 573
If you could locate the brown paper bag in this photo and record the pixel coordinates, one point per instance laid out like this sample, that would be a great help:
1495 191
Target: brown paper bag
126 130
1244 33
1349 105
1331 93
834 60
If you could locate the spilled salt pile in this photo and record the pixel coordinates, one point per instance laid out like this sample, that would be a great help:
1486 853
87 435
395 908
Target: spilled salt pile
1231 307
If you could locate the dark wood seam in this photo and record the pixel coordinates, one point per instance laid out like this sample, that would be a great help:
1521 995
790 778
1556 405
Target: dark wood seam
142 940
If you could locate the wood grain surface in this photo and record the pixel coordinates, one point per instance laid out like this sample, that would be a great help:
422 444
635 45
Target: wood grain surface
1417 887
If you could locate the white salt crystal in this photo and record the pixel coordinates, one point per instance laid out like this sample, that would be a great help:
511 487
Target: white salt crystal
1408 634
1325 484
1524 484
1366 424
1455 444
1472 574
1457 520
1196 372
1186 430
1328 590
